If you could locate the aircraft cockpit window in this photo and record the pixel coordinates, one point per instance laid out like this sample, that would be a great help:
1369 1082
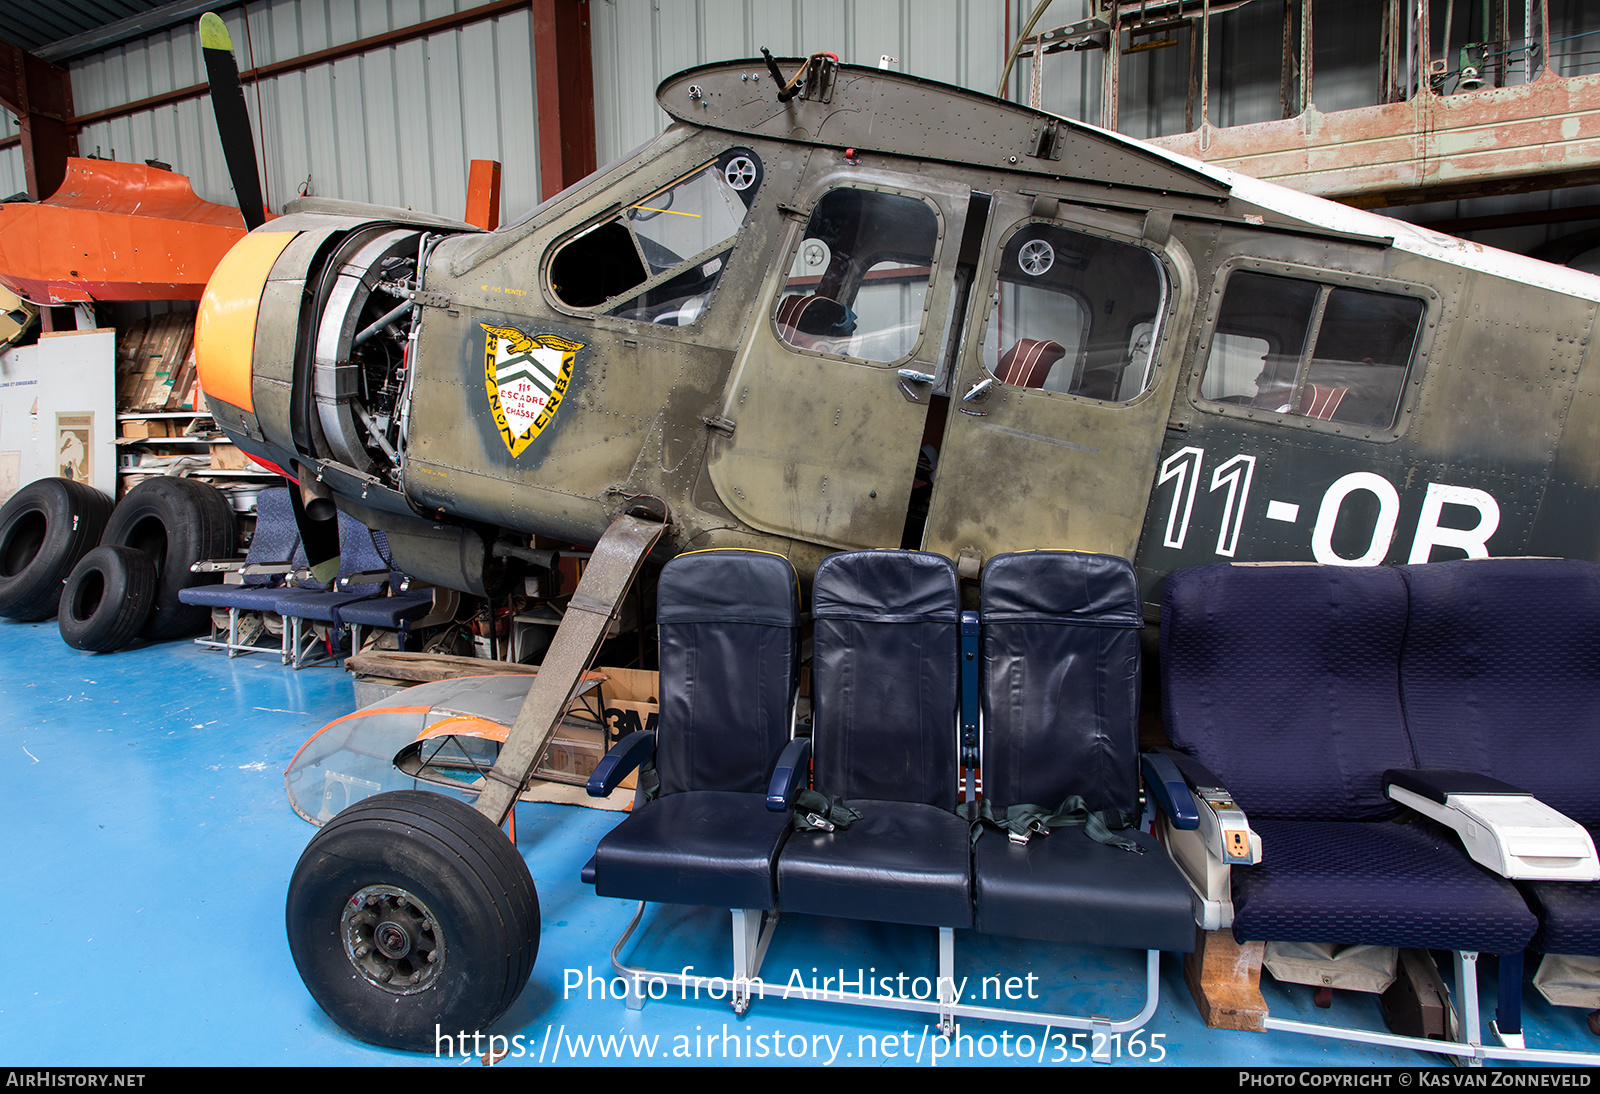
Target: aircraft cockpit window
1075 313
1360 343
673 243
858 285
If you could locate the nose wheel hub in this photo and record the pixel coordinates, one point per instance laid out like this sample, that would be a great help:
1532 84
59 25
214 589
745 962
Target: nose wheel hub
392 939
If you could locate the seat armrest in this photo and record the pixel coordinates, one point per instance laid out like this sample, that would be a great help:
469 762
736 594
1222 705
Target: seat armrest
970 688
791 774
1223 827
365 577
216 565
1171 792
1439 785
260 569
1219 839
625 756
1511 832
1195 773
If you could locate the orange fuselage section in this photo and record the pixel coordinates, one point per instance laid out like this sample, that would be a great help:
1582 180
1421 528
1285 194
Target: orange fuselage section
115 231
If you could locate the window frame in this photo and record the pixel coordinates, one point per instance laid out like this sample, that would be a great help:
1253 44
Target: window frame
858 277
1159 319
618 214
1327 280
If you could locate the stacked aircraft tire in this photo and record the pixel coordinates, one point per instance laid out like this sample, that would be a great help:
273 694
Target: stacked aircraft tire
127 588
107 599
45 530
174 523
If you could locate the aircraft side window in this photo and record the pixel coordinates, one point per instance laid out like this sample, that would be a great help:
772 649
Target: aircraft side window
1312 350
1074 313
673 243
858 285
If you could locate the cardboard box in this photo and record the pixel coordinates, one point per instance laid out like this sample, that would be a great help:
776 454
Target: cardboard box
629 698
575 750
181 396
161 358
143 428
226 457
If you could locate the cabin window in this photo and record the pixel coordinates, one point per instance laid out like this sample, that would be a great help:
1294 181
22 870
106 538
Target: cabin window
1075 313
673 243
1312 350
858 284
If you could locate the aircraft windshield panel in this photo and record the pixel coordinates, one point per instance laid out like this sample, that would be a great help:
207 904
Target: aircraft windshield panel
858 284
667 242
687 219
1074 313
1363 345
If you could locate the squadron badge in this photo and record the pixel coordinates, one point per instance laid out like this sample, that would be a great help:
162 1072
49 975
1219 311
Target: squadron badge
526 378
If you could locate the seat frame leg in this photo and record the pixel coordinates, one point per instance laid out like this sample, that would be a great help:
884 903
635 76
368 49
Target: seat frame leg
947 982
1466 963
753 929
752 932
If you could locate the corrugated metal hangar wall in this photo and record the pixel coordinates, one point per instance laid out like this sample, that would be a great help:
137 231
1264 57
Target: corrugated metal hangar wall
398 123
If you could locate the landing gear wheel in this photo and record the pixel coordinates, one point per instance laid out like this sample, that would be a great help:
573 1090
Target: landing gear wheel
410 913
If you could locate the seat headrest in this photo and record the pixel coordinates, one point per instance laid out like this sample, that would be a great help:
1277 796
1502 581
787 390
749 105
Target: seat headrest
729 587
1028 363
818 316
886 587
1060 587
1321 401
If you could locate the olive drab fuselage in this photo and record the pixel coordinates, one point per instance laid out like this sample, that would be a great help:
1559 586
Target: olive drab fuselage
891 312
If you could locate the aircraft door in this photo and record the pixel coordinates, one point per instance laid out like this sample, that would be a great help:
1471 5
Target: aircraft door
1068 370
824 413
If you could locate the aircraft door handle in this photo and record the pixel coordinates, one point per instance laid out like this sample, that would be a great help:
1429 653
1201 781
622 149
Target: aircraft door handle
909 376
977 393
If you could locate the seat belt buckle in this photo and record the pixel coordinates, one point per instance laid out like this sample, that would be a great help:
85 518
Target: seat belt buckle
1035 827
817 820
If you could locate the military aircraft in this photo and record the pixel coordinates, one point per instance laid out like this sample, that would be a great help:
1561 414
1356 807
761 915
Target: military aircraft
836 307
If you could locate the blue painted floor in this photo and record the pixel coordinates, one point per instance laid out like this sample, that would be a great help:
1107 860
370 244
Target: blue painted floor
149 845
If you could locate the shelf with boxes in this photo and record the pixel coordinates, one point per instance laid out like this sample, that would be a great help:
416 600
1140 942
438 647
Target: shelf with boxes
185 443
163 425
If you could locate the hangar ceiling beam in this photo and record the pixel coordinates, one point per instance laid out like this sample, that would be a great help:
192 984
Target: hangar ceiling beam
40 95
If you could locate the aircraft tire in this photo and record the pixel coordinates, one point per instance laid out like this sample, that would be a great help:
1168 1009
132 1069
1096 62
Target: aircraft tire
393 880
177 522
106 599
45 529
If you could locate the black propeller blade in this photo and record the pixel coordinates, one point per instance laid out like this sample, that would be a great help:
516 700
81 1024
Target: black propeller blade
233 120
319 528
